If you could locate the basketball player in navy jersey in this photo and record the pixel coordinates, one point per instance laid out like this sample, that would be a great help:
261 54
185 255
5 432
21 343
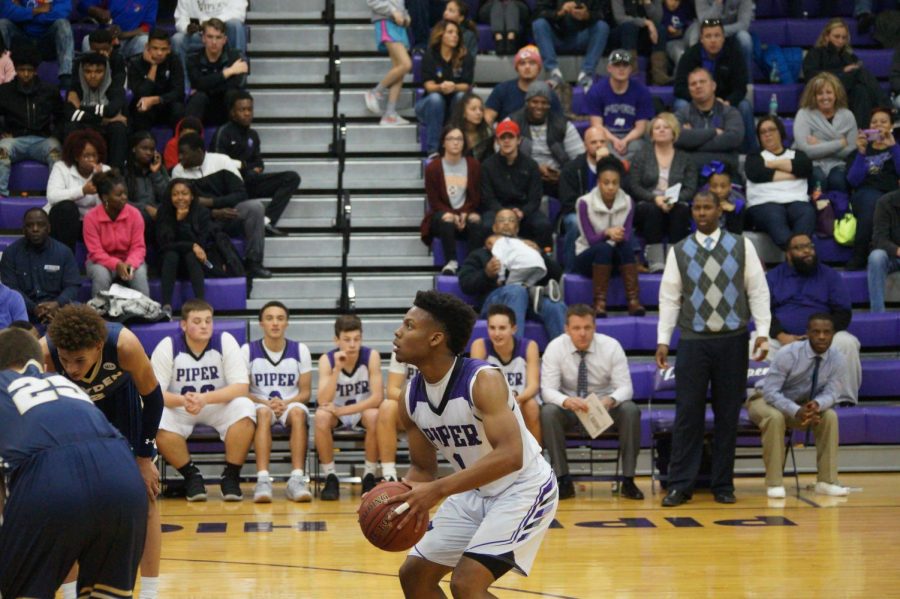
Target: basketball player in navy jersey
75 491
389 425
109 363
518 359
502 496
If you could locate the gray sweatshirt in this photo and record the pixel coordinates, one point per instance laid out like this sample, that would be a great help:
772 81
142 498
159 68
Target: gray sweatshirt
736 15
829 152
384 9
653 9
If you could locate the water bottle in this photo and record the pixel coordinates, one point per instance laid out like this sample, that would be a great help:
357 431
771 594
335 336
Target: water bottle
773 105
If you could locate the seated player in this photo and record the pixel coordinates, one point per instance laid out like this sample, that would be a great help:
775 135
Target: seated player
518 359
389 425
109 363
205 381
350 392
68 468
280 384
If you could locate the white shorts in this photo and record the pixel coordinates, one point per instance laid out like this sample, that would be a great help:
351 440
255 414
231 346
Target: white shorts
512 523
220 416
291 406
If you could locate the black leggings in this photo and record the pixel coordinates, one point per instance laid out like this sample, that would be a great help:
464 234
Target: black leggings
169 268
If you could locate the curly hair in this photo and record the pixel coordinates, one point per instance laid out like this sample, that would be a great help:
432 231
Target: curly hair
75 327
454 316
75 143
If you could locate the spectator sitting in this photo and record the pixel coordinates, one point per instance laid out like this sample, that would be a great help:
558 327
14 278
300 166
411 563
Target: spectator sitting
32 112
833 54
146 179
12 306
453 190
219 187
873 170
238 140
390 19
777 186
655 171
481 276
93 102
716 178
801 287
43 26
102 42
509 96
457 12
885 257
577 364
710 128
508 20
7 68
638 26
677 17
518 359
71 192
131 20
620 106
183 234
156 78
547 138
468 117
605 218
785 397
41 269
188 124
568 26
447 71
734 16
509 179
191 17
825 130
578 178
114 237
213 72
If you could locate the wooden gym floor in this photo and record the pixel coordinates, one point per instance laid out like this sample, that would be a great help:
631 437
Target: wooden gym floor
811 546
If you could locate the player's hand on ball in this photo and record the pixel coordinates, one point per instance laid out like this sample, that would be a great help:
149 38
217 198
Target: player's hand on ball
420 500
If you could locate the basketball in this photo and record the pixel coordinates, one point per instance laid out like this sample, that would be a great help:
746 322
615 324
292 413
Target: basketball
373 519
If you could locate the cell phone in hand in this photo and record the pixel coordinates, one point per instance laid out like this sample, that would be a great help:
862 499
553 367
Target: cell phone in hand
873 134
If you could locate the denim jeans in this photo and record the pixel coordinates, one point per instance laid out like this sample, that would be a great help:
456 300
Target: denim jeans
604 253
127 48
29 147
432 110
880 266
751 144
781 221
833 180
552 314
57 42
591 41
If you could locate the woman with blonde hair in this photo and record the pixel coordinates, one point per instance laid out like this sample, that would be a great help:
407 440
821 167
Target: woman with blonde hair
833 54
825 130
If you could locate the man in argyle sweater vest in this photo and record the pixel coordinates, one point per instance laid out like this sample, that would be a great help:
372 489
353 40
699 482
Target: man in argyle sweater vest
712 284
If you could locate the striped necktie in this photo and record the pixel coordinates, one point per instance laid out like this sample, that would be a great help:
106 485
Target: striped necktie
582 375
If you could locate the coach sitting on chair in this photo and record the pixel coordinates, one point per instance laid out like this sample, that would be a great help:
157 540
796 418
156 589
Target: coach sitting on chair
804 383
575 365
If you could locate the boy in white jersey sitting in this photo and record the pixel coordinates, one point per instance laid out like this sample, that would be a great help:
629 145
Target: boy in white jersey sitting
204 381
502 497
389 425
280 384
518 359
350 391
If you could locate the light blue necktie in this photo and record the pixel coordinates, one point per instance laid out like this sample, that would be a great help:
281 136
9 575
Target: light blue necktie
708 244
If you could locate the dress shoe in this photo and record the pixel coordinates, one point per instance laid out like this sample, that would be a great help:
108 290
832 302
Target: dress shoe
725 497
272 231
629 490
256 271
675 498
566 487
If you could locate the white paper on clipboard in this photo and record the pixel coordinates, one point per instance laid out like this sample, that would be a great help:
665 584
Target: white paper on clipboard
596 419
672 193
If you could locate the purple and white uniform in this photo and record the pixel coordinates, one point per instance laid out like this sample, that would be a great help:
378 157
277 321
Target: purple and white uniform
352 387
277 375
516 370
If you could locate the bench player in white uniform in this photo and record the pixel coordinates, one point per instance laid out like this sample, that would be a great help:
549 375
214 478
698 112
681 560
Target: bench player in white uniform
389 425
502 497
350 391
280 385
204 381
518 359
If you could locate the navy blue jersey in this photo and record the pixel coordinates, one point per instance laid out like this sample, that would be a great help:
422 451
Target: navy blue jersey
44 411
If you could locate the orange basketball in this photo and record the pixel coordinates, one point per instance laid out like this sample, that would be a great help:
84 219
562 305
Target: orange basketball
373 519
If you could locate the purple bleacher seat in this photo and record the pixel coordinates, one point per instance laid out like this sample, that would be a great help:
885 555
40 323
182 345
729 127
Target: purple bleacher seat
789 129
622 329
81 30
151 334
882 424
578 290
437 252
877 61
13 209
645 336
803 33
48 72
642 374
581 126
830 251
485 37
664 93
857 285
28 175
876 329
788 97
852 426
770 8
857 39
770 31
880 379
162 136
449 284
417 68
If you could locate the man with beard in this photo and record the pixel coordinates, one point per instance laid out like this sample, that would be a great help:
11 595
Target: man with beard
801 287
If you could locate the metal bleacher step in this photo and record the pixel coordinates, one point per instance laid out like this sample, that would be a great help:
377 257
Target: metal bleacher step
383 211
366 174
320 292
305 9
323 250
315 104
306 38
318 332
289 138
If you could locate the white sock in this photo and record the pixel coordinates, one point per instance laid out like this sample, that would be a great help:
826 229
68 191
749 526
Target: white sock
389 470
297 472
328 468
262 475
70 590
149 587
370 468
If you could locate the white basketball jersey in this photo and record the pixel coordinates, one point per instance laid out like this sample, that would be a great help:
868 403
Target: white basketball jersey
280 377
516 369
397 367
450 420
352 387
219 365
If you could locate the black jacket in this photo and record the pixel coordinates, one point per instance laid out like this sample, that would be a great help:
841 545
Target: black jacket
547 9
475 282
38 111
93 114
224 187
516 185
168 85
730 74
240 143
207 76
573 183
557 126
886 234
181 237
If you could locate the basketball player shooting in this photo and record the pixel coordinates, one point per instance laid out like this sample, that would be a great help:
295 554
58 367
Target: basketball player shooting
502 496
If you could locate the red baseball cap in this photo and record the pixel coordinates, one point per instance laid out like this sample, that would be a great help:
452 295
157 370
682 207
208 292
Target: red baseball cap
507 126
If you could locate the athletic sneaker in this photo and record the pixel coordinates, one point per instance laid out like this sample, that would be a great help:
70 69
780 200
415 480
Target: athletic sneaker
373 102
368 482
332 490
231 488
393 120
298 489
194 488
450 268
833 490
776 492
263 491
